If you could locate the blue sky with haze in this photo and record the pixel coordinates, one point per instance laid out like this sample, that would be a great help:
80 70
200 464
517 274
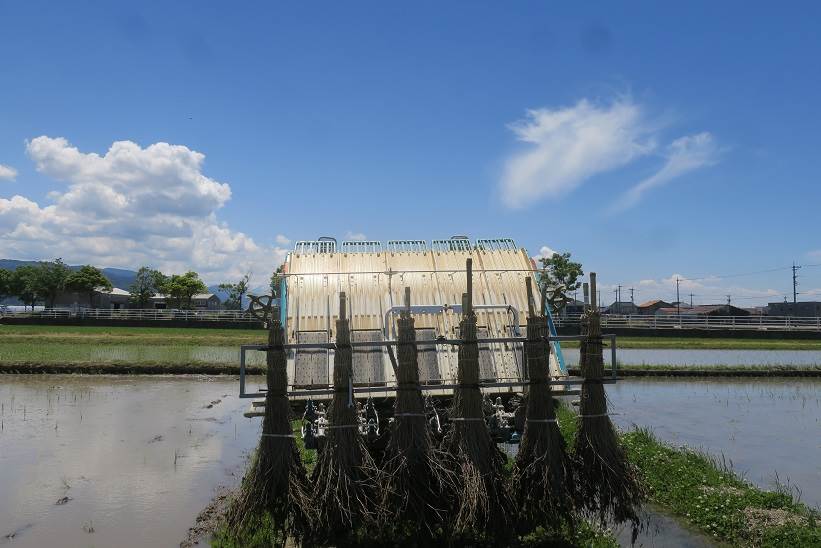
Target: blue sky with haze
649 140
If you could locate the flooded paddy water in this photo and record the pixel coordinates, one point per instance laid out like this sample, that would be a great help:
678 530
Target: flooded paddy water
115 460
131 460
768 430
183 354
704 357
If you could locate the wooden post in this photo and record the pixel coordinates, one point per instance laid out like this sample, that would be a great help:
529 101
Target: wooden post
530 306
469 268
593 303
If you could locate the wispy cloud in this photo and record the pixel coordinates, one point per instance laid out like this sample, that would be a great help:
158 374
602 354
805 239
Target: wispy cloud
282 239
566 146
7 173
683 155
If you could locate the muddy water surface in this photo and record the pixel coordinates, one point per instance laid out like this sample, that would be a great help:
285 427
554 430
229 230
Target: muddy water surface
115 461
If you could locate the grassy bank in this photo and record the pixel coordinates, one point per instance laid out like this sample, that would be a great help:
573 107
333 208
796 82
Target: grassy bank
149 336
707 495
714 371
708 343
235 337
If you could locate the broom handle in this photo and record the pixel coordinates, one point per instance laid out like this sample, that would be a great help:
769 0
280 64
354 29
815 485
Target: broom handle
469 269
529 287
593 303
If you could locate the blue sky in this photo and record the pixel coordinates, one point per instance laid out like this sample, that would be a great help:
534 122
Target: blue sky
649 140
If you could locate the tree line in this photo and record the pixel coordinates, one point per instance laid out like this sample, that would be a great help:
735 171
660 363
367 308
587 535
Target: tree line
45 281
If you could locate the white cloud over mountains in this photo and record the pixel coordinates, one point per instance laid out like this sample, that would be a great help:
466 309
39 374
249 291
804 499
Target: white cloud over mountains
130 207
565 147
7 173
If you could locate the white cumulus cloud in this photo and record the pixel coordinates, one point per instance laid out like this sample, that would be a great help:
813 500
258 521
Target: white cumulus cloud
355 236
282 239
131 206
566 146
7 173
683 155
546 252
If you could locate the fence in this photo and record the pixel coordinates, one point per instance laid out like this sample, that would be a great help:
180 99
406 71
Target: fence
128 314
691 321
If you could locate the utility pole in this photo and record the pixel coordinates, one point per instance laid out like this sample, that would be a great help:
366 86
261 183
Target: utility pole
678 300
729 301
794 284
631 294
616 294
618 298
691 300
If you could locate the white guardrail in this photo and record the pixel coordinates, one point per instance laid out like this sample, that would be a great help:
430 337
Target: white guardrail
135 314
632 321
692 321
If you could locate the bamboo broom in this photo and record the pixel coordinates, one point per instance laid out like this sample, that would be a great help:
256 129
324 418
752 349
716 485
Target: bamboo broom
343 479
483 503
542 474
608 486
276 482
415 485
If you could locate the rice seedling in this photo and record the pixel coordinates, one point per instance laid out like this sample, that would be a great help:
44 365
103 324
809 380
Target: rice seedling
275 487
542 474
414 486
607 484
483 504
344 490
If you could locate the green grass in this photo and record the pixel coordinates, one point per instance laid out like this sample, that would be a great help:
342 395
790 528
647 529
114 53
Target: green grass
697 489
693 343
164 336
235 337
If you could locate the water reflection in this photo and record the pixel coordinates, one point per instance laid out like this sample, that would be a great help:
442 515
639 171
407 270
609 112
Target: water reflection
133 458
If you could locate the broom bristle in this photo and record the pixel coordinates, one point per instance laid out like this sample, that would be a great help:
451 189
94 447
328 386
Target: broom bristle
542 475
608 484
276 482
343 479
483 503
415 485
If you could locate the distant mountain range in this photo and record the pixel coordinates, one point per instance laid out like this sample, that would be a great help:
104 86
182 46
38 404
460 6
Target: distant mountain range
119 277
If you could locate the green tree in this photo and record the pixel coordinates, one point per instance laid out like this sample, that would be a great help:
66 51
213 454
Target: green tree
5 283
51 280
23 283
275 283
559 277
235 292
180 288
147 284
89 279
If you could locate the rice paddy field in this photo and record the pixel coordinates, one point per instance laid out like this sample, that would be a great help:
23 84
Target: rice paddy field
200 350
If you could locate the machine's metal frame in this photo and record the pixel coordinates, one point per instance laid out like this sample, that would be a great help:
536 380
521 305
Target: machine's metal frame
569 381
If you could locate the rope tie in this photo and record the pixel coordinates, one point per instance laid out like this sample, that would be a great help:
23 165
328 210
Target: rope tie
409 415
542 420
334 426
466 419
595 416
264 435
